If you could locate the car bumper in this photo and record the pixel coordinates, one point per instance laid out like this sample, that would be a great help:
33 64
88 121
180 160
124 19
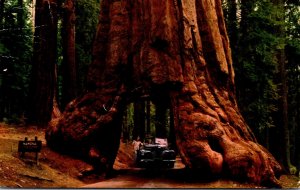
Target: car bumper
155 163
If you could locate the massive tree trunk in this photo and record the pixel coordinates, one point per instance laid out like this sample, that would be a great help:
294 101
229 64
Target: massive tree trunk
173 50
44 59
69 63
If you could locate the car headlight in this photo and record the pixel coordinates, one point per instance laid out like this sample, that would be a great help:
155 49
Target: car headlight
143 152
168 154
146 154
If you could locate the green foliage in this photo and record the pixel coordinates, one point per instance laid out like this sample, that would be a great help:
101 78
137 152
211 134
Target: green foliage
293 73
263 29
15 57
87 13
293 22
130 120
3 49
256 65
59 78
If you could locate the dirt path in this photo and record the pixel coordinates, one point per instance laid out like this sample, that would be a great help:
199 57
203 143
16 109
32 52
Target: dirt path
173 178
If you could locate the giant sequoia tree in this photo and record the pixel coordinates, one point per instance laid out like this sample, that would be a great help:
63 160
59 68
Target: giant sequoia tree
177 51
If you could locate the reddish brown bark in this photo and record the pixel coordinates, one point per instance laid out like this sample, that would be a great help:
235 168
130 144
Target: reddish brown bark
69 63
175 51
44 60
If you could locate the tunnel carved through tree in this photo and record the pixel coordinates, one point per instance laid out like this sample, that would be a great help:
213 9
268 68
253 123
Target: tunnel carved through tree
171 50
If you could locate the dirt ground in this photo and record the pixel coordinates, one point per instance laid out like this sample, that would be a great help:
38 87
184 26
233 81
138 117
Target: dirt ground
61 171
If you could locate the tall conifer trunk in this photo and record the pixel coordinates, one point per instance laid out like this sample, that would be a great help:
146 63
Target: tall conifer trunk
281 58
44 60
69 62
181 48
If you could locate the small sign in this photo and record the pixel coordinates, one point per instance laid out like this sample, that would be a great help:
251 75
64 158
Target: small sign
30 146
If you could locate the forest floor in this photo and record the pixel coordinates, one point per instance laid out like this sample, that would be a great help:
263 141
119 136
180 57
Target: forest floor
61 171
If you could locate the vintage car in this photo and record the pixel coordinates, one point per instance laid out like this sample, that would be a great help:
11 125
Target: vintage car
155 155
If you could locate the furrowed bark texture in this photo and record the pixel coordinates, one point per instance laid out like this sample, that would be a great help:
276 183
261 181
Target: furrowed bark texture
44 58
177 51
69 63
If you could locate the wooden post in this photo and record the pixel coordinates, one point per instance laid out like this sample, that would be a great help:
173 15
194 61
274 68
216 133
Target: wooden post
23 152
37 153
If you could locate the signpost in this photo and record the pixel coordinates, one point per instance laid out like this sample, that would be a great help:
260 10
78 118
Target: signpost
30 146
